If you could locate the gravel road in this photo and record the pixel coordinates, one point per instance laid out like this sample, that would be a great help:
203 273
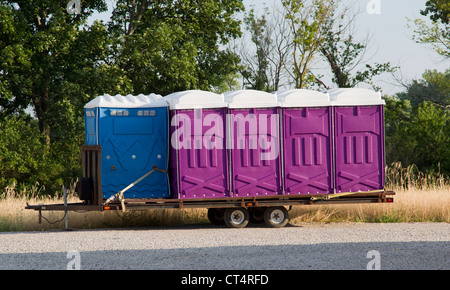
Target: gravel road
200 247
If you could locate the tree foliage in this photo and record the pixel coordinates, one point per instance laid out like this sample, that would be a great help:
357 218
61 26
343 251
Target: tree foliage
24 159
47 56
345 55
418 124
308 35
265 58
165 46
434 87
54 62
436 34
438 10
307 23
256 69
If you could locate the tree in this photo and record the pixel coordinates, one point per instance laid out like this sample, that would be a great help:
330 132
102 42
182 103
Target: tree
307 21
54 63
256 67
165 46
437 34
434 87
51 58
430 127
309 33
438 10
23 158
265 67
399 145
345 55
417 135
418 124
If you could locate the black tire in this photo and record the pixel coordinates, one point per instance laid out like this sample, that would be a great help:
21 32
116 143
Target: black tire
276 216
256 215
215 216
85 188
237 217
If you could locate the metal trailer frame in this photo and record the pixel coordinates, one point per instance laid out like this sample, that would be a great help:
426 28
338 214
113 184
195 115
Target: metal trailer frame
91 163
247 202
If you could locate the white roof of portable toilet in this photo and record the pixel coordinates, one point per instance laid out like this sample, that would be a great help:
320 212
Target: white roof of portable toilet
250 99
128 101
195 99
302 98
354 97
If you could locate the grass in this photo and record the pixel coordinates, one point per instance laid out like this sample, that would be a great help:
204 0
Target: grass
419 198
411 205
14 216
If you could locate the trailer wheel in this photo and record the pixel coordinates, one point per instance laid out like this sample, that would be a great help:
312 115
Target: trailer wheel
276 216
236 217
215 216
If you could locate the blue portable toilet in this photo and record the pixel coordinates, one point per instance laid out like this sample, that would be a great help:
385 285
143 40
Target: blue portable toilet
133 133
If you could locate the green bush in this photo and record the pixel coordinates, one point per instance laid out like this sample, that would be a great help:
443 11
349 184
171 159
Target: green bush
26 161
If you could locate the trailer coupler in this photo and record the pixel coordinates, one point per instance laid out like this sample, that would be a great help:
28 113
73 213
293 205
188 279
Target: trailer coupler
330 196
120 197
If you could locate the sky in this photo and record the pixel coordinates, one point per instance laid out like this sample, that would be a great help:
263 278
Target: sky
385 21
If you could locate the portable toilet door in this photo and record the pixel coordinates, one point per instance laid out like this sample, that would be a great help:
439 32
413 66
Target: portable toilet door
133 133
306 143
254 143
198 162
359 139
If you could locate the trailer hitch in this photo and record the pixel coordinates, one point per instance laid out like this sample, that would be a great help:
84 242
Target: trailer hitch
119 195
335 195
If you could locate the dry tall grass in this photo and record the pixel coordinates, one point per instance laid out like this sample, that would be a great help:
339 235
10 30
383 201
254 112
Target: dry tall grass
412 205
418 198
14 216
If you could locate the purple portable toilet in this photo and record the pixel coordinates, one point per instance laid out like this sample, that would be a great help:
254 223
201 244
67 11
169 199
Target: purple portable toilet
253 133
359 139
199 160
307 144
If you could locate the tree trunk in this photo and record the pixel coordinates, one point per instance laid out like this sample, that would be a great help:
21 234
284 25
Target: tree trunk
41 108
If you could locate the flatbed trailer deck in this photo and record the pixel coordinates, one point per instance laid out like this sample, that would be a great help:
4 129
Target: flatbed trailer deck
240 206
264 201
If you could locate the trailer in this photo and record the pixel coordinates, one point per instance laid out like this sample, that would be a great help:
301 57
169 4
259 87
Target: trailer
233 212
246 156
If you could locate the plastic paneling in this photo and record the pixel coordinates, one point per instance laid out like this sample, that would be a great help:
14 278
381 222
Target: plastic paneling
359 148
199 156
255 156
307 151
132 144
